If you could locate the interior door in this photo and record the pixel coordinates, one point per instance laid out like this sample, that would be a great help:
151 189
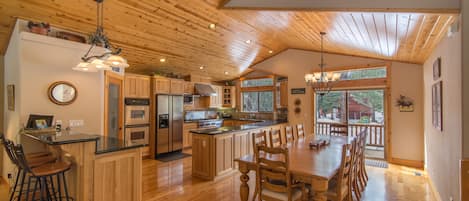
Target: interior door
114 105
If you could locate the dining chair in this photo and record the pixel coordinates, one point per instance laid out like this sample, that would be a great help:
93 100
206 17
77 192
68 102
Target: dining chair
289 137
258 138
274 181
362 168
354 187
300 131
339 189
275 138
339 129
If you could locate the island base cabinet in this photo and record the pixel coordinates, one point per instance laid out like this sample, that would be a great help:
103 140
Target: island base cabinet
201 166
114 176
242 145
223 154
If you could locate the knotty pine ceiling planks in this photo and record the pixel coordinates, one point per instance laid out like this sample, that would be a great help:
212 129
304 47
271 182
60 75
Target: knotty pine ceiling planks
177 30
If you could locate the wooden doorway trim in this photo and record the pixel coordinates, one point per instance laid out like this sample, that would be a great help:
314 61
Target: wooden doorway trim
387 100
111 77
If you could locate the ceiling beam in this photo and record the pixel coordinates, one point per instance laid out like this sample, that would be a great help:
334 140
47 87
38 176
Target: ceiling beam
420 6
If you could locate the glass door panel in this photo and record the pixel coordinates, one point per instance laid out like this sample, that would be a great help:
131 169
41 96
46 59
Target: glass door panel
331 107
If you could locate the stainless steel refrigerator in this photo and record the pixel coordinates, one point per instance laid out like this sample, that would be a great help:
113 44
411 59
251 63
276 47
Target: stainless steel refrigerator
169 121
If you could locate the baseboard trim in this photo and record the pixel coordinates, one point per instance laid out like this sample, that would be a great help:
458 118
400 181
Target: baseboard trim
435 192
405 162
464 167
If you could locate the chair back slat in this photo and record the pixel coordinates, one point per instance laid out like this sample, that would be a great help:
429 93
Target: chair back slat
289 137
275 138
20 157
344 176
300 131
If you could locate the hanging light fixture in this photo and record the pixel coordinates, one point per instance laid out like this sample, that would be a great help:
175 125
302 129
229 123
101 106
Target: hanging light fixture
321 82
93 63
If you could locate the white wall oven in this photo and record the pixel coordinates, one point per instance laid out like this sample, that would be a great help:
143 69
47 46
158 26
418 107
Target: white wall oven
137 121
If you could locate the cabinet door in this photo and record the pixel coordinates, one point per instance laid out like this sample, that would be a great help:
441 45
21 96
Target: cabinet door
188 88
162 86
284 94
143 87
177 87
241 144
130 86
224 154
201 156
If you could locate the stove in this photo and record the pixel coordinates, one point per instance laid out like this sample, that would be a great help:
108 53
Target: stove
210 123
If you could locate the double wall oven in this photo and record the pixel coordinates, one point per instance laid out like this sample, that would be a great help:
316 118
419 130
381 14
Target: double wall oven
137 121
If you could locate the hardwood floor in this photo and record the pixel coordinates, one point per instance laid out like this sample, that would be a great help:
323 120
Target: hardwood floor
172 181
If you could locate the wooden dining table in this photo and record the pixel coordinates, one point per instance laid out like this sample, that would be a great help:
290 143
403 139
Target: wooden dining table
315 166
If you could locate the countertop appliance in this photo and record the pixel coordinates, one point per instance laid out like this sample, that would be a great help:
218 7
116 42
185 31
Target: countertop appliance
137 121
169 121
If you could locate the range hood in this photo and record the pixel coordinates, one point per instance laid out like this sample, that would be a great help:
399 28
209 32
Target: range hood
204 90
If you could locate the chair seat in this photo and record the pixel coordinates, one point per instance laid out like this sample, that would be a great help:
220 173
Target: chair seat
51 168
296 194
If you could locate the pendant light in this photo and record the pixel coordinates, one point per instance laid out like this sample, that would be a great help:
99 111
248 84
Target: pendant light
321 82
93 63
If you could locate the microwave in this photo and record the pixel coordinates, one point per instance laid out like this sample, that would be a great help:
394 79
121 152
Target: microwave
188 99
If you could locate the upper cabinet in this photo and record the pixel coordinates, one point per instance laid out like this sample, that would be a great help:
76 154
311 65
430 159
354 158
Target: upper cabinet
229 96
282 94
217 101
177 87
189 88
136 86
163 85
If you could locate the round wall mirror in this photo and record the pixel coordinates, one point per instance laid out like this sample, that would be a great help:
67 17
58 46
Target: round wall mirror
62 93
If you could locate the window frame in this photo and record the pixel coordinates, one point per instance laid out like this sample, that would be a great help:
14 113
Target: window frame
257 89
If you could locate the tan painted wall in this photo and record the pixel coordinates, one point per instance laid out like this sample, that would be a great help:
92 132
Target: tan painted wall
33 62
443 148
295 63
1 104
465 75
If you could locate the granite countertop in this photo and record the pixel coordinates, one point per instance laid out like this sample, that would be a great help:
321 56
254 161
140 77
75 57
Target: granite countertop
237 119
103 144
229 129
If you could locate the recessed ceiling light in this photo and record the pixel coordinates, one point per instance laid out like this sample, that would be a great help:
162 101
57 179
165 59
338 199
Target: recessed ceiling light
162 60
248 41
212 26
271 51
201 67
226 72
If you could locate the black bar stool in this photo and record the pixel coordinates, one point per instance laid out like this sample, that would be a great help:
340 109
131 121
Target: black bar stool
42 174
35 160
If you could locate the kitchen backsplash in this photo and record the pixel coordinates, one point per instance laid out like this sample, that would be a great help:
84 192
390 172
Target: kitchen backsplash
190 115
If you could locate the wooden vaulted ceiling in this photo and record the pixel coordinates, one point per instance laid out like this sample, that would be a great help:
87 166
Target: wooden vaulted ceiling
178 30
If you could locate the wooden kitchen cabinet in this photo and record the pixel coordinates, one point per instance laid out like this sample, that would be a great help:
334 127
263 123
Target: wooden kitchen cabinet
177 87
229 96
189 88
201 166
136 86
187 135
242 144
162 85
282 94
216 101
224 157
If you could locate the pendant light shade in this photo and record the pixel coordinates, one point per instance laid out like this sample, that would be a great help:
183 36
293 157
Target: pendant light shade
116 61
99 64
85 67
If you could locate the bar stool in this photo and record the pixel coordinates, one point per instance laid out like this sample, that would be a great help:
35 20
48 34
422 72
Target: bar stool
42 173
34 159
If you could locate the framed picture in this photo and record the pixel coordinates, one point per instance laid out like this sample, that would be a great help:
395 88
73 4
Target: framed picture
11 97
437 105
437 69
36 121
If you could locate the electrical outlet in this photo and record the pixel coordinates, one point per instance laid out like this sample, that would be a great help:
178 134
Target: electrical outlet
76 123
9 176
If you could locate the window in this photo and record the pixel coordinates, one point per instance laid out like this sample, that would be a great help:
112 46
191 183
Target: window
258 82
358 74
258 101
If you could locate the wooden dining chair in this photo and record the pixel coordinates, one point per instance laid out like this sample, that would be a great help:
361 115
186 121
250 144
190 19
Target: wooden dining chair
258 138
289 137
354 188
339 189
274 181
363 176
275 138
300 131
339 129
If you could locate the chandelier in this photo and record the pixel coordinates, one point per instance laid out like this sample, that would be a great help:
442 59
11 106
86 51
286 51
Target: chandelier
322 82
94 62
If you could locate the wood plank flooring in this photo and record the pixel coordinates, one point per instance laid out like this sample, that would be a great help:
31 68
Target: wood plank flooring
172 181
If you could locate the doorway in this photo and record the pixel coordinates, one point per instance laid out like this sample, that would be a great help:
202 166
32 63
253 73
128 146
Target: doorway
360 110
113 106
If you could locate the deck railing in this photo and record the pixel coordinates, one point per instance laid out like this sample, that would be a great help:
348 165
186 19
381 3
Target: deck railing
375 132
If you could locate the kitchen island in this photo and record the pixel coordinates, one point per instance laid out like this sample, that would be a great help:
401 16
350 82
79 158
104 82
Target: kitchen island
215 149
103 169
